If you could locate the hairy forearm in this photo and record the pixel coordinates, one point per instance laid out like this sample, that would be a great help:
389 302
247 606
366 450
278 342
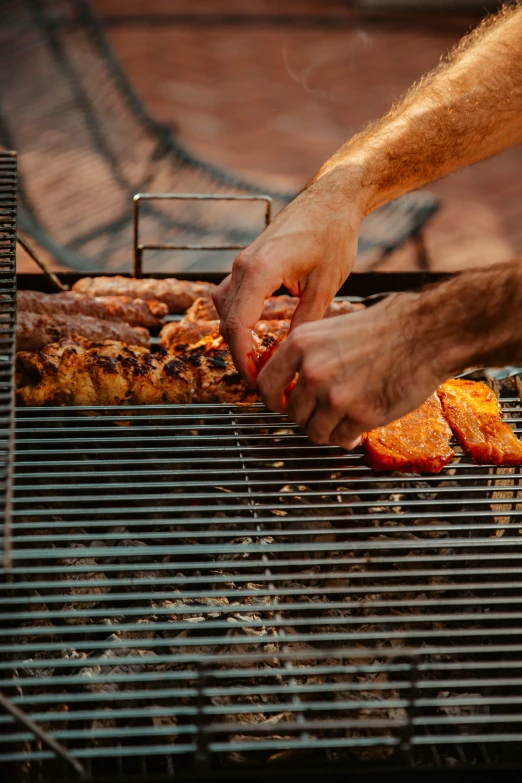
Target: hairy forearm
466 110
473 319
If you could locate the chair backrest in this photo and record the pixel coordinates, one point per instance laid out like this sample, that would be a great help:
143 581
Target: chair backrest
87 145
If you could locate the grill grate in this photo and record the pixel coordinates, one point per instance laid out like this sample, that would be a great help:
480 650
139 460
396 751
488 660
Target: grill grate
196 585
7 342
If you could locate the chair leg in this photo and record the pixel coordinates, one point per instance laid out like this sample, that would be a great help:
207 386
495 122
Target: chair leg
422 253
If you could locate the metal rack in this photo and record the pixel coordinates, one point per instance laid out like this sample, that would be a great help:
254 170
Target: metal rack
140 247
7 340
200 592
202 588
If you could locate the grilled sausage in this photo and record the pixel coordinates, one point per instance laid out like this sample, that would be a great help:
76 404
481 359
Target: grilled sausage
34 331
178 295
135 312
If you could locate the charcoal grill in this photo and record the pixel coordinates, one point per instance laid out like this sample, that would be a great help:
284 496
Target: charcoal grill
200 592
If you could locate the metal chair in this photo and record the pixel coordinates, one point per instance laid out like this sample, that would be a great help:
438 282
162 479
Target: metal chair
87 145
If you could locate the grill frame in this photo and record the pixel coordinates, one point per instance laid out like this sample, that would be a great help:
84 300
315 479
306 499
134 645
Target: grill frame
8 215
205 756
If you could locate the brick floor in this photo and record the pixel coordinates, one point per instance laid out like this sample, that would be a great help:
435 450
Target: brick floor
251 90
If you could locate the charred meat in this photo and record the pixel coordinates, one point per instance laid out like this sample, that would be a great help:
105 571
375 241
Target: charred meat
81 372
175 335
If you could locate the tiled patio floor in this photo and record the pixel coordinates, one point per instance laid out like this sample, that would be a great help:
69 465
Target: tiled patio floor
270 88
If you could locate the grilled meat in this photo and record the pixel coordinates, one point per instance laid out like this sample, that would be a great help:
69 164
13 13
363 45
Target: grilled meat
277 308
264 348
135 312
81 372
474 414
282 308
178 295
202 309
275 328
217 378
34 331
178 335
183 333
342 308
417 443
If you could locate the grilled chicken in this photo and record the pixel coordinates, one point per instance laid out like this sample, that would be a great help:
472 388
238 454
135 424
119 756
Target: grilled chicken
178 295
264 348
277 308
275 328
217 377
34 331
202 309
178 334
342 308
81 372
474 414
417 443
135 312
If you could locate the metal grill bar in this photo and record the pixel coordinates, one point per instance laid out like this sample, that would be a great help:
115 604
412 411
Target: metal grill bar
7 342
204 581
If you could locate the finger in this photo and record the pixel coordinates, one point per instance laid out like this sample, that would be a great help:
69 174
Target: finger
301 405
347 434
242 317
236 278
278 373
322 424
221 292
312 305
242 310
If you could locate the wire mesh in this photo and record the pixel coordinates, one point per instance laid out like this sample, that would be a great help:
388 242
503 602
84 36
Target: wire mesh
7 339
196 585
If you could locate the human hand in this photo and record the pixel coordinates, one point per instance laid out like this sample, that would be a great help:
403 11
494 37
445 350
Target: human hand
310 248
355 372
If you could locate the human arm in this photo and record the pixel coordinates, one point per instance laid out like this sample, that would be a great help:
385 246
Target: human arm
464 111
363 370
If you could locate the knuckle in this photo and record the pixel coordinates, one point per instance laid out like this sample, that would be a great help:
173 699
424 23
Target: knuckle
299 419
240 263
335 398
345 434
317 437
311 375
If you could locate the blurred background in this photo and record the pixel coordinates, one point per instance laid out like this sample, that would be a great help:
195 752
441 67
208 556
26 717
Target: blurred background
106 98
